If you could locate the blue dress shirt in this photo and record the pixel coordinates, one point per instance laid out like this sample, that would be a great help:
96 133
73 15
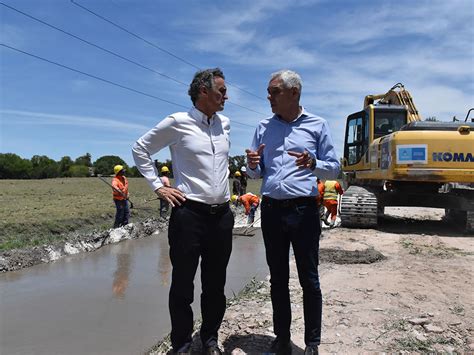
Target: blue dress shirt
282 179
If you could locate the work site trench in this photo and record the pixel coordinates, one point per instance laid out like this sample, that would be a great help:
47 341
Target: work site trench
114 300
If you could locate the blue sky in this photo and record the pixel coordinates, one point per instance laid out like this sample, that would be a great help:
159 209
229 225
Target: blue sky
342 49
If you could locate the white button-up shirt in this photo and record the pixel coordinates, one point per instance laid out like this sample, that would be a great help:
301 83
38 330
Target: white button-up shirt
199 151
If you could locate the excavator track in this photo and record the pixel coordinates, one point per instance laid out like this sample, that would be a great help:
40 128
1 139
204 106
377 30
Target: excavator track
358 207
470 222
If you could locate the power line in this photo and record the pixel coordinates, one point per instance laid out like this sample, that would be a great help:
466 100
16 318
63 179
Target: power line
134 35
105 80
154 45
92 76
109 51
90 43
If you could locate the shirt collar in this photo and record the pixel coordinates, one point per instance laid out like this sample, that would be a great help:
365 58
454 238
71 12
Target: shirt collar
199 116
303 113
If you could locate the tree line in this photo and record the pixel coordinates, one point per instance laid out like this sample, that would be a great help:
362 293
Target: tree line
12 166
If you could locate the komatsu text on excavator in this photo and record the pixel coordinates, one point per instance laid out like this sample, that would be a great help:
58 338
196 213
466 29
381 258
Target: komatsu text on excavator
393 158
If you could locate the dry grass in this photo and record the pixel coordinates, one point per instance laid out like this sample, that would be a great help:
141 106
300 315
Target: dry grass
36 212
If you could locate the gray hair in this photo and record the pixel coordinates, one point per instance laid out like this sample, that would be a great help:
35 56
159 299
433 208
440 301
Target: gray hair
203 78
289 78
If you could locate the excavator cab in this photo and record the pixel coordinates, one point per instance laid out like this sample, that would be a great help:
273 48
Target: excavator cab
363 127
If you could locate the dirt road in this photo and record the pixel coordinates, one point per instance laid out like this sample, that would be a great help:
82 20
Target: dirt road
418 296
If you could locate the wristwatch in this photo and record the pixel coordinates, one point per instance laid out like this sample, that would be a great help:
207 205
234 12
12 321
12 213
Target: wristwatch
313 164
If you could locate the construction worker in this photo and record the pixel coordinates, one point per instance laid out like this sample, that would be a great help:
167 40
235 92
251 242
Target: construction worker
319 198
120 196
164 205
331 190
236 185
243 180
250 202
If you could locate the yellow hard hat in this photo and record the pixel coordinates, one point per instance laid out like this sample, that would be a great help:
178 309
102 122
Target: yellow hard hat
117 169
164 169
237 174
233 198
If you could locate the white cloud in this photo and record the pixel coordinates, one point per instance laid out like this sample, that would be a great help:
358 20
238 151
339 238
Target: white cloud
244 38
40 118
432 19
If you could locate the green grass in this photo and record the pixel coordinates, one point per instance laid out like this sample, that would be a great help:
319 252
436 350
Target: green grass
36 212
439 250
409 343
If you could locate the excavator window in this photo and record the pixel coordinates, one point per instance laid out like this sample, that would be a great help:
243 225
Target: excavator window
387 122
357 137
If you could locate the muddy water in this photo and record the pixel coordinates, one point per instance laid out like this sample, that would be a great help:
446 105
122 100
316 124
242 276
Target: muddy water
112 301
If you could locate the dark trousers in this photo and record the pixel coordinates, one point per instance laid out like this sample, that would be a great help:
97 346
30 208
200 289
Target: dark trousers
195 234
298 224
122 213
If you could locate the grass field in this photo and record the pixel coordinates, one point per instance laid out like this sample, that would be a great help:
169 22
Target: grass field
36 212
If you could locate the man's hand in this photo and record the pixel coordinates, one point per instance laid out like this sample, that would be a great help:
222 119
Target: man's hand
253 157
303 160
170 194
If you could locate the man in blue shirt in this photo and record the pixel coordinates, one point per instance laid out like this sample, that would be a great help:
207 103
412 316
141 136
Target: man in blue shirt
289 150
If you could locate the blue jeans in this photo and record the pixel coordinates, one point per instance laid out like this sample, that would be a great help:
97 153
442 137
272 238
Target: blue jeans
194 234
296 223
251 216
122 213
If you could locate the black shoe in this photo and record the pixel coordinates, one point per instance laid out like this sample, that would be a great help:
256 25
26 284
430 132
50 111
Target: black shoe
280 346
212 350
311 350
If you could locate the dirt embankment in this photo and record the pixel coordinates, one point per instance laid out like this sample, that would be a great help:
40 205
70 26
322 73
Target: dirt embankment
75 243
405 287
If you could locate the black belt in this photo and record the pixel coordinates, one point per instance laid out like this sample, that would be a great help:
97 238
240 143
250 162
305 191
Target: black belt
205 208
289 202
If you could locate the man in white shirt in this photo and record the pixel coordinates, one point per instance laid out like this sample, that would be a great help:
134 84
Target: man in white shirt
201 221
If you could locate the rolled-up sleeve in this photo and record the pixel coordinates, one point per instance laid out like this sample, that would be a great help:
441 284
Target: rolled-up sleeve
159 137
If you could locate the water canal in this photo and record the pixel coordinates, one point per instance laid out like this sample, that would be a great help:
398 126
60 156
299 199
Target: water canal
111 301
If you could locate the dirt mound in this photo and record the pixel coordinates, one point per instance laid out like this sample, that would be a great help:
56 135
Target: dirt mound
340 256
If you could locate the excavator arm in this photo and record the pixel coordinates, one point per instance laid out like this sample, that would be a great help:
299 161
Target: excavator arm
397 95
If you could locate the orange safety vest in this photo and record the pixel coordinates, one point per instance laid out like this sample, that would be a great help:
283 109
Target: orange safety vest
248 200
320 196
331 189
120 183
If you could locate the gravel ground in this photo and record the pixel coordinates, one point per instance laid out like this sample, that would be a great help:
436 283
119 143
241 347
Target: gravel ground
405 287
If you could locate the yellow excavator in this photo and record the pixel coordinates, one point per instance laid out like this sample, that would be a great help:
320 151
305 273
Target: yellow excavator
394 158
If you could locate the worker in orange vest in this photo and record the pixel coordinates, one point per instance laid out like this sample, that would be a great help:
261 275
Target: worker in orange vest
250 203
120 196
331 190
319 198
